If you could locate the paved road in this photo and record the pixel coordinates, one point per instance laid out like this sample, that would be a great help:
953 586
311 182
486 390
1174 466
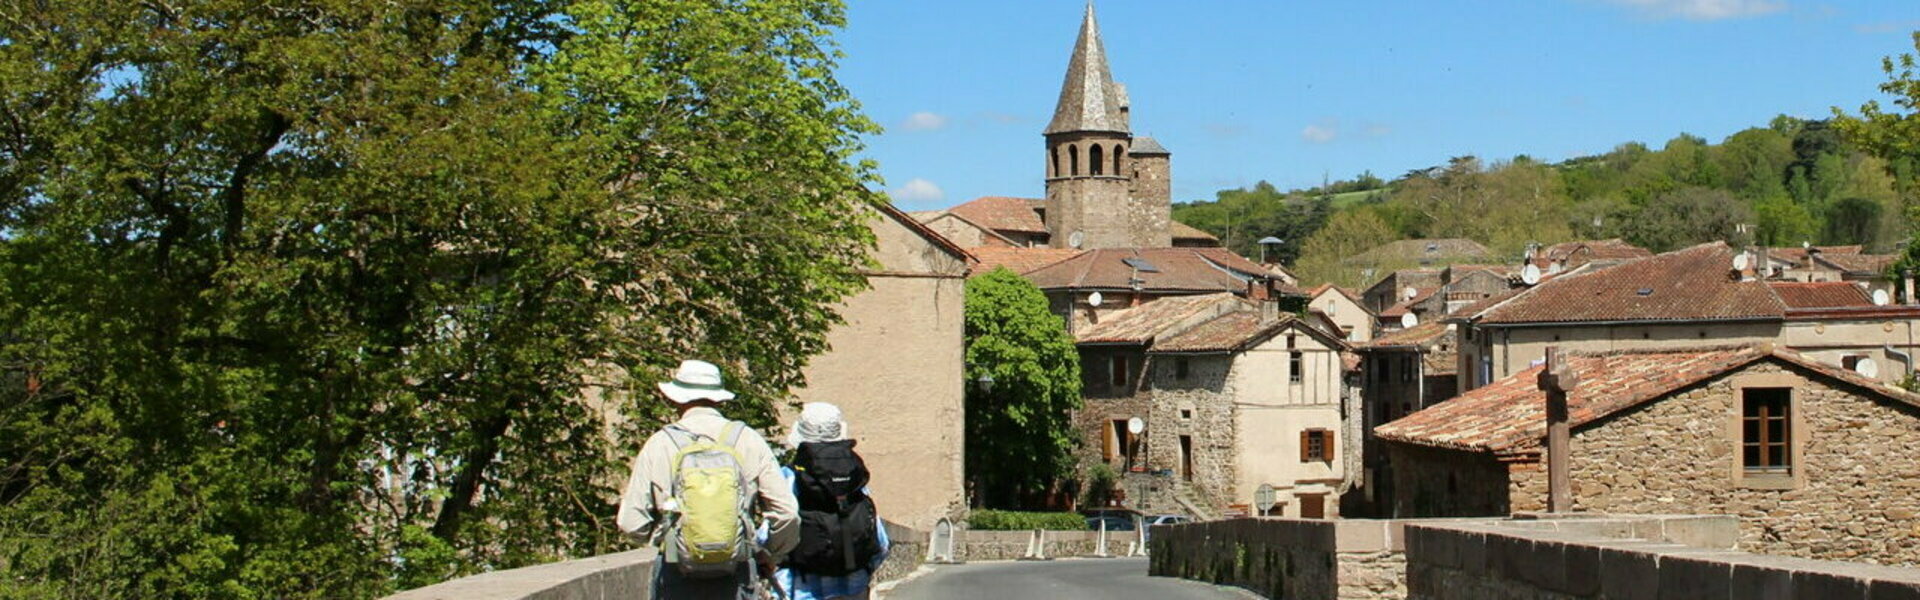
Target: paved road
1065 579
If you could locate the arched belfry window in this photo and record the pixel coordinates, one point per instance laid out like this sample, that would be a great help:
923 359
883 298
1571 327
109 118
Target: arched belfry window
1117 152
1054 171
1094 162
1073 160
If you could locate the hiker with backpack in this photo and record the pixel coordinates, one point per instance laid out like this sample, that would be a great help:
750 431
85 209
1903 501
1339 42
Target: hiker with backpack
697 489
842 541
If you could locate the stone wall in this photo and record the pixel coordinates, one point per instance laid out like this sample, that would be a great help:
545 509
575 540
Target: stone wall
1432 482
1306 559
1011 545
1475 561
624 575
1199 406
1854 496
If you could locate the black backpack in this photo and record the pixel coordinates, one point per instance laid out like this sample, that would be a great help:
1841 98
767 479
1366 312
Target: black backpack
838 534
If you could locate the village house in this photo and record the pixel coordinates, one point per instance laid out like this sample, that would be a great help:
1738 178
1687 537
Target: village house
1686 297
1816 461
896 367
1091 285
1233 394
1355 323
1569 255
1401 372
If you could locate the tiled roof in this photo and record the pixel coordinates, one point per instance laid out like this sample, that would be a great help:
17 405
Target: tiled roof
1001 213
1322 288
1509 416
1683 285
1824 294
1418 335
1175 269
1224 334
1406 306
1583 251
1019 260
1799 255
1141 324
1146 146
1183 231
1440 248
1859 263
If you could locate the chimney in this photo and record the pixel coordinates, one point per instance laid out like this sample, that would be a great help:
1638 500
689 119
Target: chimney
1906 285
1557 379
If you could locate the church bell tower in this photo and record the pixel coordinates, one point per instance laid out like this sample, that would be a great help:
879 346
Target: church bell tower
1090 173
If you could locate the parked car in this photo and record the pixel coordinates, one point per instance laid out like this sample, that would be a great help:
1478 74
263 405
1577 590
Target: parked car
1164 520
1114 523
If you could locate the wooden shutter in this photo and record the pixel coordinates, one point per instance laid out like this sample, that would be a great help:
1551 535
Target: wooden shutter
1326 445
1305 436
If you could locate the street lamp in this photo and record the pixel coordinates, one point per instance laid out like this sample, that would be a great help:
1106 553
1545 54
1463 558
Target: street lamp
986 382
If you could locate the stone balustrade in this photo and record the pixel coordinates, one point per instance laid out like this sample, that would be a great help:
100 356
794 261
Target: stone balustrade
1599 557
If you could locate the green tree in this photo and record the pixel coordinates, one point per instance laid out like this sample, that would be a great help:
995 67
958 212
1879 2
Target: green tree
1020 434
305 300
1689 216
1323 259
1893 135
1781 222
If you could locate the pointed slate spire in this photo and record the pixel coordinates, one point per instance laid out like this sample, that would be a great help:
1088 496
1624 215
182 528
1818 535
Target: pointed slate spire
1089 100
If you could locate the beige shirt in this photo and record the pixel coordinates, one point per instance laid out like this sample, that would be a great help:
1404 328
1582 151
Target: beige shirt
651 483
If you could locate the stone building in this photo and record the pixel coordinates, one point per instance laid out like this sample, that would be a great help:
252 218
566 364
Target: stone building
1816 461
1401 372
1570 255
896 369
1125 278
1105 187
1687 297
1398 287
1233 393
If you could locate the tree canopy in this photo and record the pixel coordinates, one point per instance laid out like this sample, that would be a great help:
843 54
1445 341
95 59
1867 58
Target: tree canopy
1020 434
321 299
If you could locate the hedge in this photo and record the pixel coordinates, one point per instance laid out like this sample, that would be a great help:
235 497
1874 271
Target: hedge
1009 520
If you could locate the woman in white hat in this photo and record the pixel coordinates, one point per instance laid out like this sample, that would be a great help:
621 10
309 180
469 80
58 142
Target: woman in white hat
842 540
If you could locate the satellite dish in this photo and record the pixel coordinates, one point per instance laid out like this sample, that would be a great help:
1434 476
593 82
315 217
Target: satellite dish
1410 292
1805 245
1880 298
1530 274
1740 261
1077 239
1867 367
1095 299
1135 425
1409 320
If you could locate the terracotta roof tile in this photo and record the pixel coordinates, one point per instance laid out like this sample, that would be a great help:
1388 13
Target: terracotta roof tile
1683 285
1823 294
1873 264
1797 255
1585 251
1223 334
1001 213
1422 334
1141 324
1019 260
1174 269
1183 231
1509 416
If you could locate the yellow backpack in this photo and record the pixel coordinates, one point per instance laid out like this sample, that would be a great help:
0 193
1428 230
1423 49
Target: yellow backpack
711 532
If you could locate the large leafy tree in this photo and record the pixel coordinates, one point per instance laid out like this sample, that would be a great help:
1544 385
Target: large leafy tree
1893 135
322 298
1020 435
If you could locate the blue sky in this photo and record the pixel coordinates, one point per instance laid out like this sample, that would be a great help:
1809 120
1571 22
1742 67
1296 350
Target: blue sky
1289 92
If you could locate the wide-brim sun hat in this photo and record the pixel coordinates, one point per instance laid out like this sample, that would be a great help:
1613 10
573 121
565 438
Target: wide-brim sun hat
818 422
695 380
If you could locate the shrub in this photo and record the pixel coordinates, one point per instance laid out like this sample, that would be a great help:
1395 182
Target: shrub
1011 520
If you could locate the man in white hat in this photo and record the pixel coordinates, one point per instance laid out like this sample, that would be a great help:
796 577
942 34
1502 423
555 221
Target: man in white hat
648 502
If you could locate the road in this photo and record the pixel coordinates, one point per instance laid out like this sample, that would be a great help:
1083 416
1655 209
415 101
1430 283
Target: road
1066 579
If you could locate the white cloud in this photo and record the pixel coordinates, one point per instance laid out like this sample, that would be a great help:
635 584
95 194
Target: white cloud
923 121
1705 10
1321 132
918 190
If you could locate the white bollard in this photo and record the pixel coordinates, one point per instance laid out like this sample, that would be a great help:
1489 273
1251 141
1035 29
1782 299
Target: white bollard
1138 547
1100 546
940 544
1037 546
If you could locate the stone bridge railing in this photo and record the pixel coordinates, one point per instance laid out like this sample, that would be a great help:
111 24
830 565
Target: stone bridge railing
624 575
1575 557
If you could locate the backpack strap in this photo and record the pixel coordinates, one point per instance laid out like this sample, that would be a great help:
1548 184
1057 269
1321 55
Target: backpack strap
730 435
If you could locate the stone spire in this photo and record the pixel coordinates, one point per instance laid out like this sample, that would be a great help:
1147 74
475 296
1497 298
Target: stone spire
1089 100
